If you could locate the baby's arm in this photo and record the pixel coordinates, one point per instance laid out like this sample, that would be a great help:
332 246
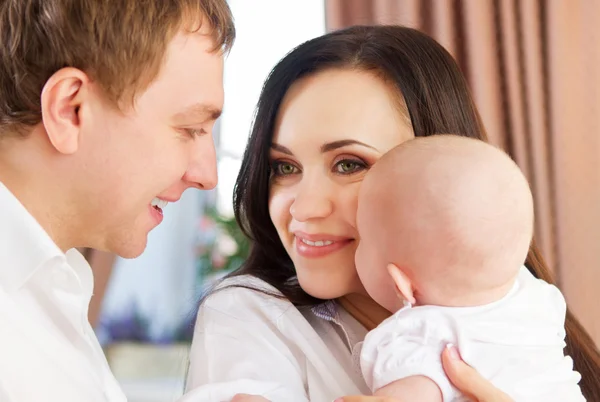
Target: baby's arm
414 388
402 356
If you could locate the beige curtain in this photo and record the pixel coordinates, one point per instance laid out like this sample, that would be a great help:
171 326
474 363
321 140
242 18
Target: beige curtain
534 70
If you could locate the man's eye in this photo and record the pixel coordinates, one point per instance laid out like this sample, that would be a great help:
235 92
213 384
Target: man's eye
195 132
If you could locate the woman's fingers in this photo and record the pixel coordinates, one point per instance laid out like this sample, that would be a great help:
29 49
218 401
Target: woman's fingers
248 398
468 380
362 398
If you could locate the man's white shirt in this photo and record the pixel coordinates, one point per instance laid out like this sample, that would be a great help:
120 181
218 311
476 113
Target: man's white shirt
48 349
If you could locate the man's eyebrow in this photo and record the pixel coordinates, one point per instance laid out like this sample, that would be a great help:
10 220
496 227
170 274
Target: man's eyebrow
199 111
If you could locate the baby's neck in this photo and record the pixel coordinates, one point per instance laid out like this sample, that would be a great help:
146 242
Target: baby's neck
470 298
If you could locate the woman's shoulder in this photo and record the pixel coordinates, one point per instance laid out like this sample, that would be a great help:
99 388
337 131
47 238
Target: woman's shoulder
246 287
248 281
245 298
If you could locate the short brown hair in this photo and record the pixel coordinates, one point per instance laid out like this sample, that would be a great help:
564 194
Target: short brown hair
119 43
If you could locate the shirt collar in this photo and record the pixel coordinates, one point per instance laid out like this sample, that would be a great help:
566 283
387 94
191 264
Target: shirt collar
25 246
352 335
327 311
82 269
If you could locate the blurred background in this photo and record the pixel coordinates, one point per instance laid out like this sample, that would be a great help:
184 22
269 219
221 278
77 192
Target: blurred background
534 70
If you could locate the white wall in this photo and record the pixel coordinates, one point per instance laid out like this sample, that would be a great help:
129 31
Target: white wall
266 31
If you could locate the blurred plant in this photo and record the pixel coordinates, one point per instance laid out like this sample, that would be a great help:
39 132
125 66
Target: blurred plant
221 248
129 326
225 249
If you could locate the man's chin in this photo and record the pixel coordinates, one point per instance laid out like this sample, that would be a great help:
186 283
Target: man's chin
132 248
130 255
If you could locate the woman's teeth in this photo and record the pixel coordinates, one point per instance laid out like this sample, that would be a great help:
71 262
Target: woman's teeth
156 202
317 243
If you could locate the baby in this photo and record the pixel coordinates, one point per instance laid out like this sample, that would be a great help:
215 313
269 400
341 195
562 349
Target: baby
445 224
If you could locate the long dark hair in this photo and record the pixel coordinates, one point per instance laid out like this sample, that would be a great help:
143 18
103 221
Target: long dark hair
438 101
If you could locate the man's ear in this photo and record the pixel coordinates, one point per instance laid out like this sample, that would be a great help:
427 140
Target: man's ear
402 282
61 99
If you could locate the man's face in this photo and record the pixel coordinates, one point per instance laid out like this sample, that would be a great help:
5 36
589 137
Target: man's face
155 150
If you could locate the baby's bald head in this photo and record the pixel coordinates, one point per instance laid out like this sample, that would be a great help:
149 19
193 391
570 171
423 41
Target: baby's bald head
455 213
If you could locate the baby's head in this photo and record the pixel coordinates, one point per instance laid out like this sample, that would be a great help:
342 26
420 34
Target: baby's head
451 218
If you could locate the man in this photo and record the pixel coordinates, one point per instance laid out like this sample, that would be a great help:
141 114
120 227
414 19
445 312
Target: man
106 114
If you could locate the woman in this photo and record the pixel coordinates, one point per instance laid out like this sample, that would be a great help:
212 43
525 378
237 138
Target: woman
289 323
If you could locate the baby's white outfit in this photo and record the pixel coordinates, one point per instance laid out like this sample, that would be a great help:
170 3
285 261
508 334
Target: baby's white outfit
517 343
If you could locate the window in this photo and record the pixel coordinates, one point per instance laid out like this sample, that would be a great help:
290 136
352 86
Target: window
266 31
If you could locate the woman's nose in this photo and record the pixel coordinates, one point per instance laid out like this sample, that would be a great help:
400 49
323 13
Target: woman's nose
312 201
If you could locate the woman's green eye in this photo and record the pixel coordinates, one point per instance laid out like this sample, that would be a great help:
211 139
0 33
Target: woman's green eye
286 168
283 169
347 166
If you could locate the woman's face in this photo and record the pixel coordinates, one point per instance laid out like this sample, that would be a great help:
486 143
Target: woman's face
331 128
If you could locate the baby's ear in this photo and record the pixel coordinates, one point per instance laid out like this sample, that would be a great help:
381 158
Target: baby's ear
403 283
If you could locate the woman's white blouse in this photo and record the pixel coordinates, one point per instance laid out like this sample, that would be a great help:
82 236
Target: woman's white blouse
249 342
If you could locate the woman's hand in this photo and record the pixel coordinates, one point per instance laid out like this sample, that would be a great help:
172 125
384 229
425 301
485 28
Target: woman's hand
469 381
362 398
248 398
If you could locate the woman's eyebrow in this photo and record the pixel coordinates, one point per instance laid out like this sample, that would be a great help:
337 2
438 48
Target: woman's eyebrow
342 143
